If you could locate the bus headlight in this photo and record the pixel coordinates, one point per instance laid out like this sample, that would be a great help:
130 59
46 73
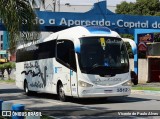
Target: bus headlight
84 84
128 83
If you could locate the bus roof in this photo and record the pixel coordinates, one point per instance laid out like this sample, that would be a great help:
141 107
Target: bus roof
83 31
77 32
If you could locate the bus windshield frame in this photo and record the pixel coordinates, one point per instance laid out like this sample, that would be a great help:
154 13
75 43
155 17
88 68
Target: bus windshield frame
103 56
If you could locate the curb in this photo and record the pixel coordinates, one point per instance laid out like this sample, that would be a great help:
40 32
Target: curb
144 92
7 83
3 82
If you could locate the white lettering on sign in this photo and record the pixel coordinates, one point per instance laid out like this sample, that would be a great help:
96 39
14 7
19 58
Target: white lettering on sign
37 21
41 21
119 23
137 24
63 22
156 25
84 22
52 21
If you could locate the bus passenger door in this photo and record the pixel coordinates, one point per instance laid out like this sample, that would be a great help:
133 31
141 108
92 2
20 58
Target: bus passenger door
73 73
66 58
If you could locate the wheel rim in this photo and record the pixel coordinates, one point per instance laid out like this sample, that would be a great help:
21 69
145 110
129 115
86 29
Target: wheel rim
61 93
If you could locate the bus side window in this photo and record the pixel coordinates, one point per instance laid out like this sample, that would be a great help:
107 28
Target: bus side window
43 51
65 53
46 50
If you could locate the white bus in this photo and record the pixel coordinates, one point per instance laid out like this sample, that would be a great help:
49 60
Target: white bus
81 62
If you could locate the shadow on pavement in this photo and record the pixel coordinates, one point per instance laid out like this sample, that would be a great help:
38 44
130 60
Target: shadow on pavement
92 101
13 90
87 101
71 110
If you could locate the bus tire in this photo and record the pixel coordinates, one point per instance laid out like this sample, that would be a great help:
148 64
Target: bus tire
61 93
26 90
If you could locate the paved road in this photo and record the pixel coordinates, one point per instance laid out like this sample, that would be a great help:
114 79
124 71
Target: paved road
139 102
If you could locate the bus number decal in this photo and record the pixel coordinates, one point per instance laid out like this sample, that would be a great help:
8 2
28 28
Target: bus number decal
122 89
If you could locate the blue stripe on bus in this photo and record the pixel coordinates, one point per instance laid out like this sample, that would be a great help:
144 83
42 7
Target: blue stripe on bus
77 46
71 73
55 69
98 30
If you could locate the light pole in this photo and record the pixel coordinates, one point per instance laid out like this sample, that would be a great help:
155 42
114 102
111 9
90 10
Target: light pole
54 5
59 4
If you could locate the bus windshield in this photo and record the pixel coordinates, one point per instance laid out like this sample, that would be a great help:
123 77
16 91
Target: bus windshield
103 56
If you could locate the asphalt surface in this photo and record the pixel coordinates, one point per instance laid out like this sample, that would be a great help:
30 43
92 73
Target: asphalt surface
114 108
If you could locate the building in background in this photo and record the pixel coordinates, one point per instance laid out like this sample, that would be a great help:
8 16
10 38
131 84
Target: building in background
61 5
1 41
69 5
3 47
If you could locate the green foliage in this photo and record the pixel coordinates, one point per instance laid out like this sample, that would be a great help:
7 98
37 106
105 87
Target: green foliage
7 66
124 8
156 37
7 81
2 67
145 88
17 14
127 36
129 50
141 7
128 46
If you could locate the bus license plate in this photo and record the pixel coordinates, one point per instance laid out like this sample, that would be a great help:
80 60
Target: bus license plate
123 89
108 91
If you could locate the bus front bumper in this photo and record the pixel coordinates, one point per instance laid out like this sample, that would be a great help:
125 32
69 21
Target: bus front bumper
104 92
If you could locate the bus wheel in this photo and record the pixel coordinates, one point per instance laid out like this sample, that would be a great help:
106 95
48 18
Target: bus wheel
26 90
61 93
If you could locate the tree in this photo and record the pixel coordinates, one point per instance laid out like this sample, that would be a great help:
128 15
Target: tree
17 15
157 37
8 67
128 46
2 69
140 7
124 8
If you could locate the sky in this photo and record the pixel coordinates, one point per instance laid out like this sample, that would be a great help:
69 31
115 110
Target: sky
90 2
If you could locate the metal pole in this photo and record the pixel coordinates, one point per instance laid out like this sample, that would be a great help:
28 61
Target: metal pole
59 2
136 55
54 5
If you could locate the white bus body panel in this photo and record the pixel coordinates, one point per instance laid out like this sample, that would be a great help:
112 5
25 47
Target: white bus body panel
43 75
38 74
